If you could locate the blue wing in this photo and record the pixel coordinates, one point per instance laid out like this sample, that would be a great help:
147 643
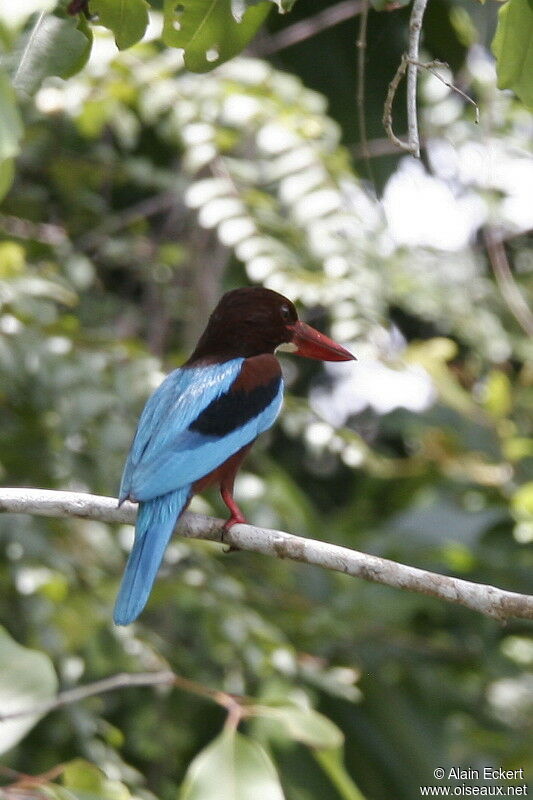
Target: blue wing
192 423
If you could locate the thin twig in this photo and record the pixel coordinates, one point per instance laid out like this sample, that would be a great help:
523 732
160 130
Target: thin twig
415 27
22 782
377 148
42 232
124 680
506 282
361 82
311 26
387 108
409 63
432 66
485 599
121 219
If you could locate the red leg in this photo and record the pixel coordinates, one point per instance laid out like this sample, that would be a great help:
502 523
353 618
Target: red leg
225 477
236 513
226 487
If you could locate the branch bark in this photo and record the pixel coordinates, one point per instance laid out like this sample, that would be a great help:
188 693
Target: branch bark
415 27
497 603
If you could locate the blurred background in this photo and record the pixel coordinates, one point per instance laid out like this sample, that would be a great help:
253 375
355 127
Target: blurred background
143 193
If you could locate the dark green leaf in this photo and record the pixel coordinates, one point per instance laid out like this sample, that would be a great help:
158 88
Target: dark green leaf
27 678
232 767
126 18
512 48
54 46
7 173
208 32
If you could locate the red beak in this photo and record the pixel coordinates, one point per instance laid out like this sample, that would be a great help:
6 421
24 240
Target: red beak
313 344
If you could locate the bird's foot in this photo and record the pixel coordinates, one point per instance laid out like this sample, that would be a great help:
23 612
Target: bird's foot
236 517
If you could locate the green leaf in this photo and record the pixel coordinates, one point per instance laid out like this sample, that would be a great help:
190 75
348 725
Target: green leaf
522 501
232 767
208 32
498 396
126 18
27 678
512 47
11 129
85 780
332 764
54 46
7 173
305 725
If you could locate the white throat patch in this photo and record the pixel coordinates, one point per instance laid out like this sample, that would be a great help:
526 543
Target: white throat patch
286 347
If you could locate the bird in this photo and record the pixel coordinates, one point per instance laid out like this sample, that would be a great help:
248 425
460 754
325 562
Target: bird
198 425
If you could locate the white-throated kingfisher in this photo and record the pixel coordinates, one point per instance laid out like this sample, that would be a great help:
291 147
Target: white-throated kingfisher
198 425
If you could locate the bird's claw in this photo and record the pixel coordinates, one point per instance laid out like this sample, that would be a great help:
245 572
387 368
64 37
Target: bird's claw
235 519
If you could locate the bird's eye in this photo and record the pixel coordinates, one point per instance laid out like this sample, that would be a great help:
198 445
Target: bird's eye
286 313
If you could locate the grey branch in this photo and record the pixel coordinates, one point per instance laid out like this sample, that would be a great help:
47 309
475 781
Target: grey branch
387 108
415 27
409 63
485 599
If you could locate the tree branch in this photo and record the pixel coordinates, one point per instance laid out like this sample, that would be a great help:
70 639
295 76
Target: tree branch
485 599
361 45
387 108
505 279
409 63
124 680
415 27
119 681
311 26
406 65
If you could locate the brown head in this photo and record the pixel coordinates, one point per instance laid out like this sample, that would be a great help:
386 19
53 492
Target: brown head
252 321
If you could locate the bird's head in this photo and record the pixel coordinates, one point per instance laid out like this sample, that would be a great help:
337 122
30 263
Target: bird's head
252 321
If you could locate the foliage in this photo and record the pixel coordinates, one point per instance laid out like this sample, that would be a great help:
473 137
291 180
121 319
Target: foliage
208 34
512 49
27 679
143 192
128 21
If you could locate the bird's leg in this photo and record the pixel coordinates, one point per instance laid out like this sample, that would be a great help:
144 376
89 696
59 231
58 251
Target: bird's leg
236 513
227 479
226 491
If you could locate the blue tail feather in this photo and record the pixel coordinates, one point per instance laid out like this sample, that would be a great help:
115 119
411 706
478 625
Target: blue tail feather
155 522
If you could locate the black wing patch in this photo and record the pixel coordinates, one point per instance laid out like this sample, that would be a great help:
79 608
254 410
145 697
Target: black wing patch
234 409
